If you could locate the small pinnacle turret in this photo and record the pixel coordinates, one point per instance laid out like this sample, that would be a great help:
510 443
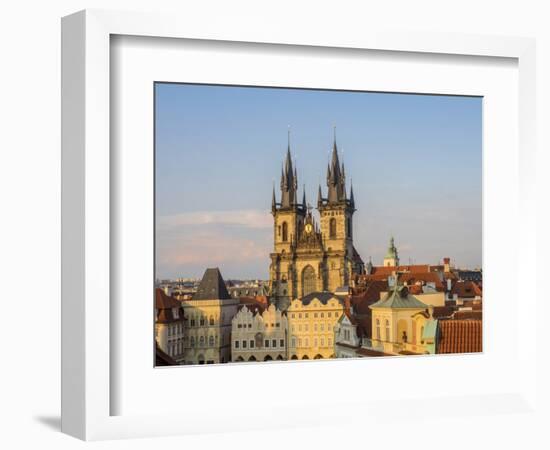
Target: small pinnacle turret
273 201
319 198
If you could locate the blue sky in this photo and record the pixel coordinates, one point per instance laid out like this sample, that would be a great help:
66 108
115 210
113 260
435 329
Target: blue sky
415 161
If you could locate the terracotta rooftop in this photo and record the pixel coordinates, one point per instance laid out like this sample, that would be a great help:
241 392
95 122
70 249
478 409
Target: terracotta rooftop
422 277
254 304
466 289
388 270
370 295
368 352
460 336
163 301
440 312
164 306
462 315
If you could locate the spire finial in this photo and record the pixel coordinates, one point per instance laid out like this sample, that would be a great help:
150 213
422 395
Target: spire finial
334 134
288 137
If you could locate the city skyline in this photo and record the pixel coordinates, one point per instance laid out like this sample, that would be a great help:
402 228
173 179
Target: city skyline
415 162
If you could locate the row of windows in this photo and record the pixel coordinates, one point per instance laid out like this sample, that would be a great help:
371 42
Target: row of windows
267 325
201 341
201 322
175 348
252 344
315 315
175 329
316 342
316 327
245 293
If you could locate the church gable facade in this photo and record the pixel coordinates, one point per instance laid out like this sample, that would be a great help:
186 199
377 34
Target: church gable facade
310 257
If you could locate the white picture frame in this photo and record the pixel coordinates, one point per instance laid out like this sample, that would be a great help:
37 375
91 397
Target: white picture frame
87 320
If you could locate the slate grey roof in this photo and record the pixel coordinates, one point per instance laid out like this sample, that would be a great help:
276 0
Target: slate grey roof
323 297
212 286
399 297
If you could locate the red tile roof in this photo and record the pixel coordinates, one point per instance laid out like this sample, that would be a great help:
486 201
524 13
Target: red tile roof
388 270
369 295
440 312
368 352
163 301
468 315
422 277
254 304
164 306
460 336
466 289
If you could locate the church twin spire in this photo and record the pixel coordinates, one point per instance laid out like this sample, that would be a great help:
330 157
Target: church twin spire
336 183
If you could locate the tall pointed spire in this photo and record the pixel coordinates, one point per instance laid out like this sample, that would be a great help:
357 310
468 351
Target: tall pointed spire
289 180
304 204
319 197
335 177
351 197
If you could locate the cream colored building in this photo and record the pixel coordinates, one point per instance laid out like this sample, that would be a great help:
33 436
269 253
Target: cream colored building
311 324
169 325
398 323
259 336
209 314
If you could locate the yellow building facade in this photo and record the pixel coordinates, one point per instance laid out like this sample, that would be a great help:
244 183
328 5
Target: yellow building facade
311 326
398 323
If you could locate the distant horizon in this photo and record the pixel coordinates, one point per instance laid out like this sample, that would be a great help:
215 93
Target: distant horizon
415 162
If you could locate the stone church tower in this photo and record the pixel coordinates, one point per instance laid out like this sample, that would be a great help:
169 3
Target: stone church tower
307 257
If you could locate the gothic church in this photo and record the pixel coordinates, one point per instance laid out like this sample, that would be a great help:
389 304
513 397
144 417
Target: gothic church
309 257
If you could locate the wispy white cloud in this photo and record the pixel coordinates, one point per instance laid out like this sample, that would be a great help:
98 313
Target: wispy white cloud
187 243
249 218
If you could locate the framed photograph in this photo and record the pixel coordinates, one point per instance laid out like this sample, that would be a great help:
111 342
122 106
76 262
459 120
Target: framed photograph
299 209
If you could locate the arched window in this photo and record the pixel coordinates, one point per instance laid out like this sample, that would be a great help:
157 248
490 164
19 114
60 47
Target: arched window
332 230
285 232
387 330
309 283
378 329
202 321
201 341
192 340
211 320
211 341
